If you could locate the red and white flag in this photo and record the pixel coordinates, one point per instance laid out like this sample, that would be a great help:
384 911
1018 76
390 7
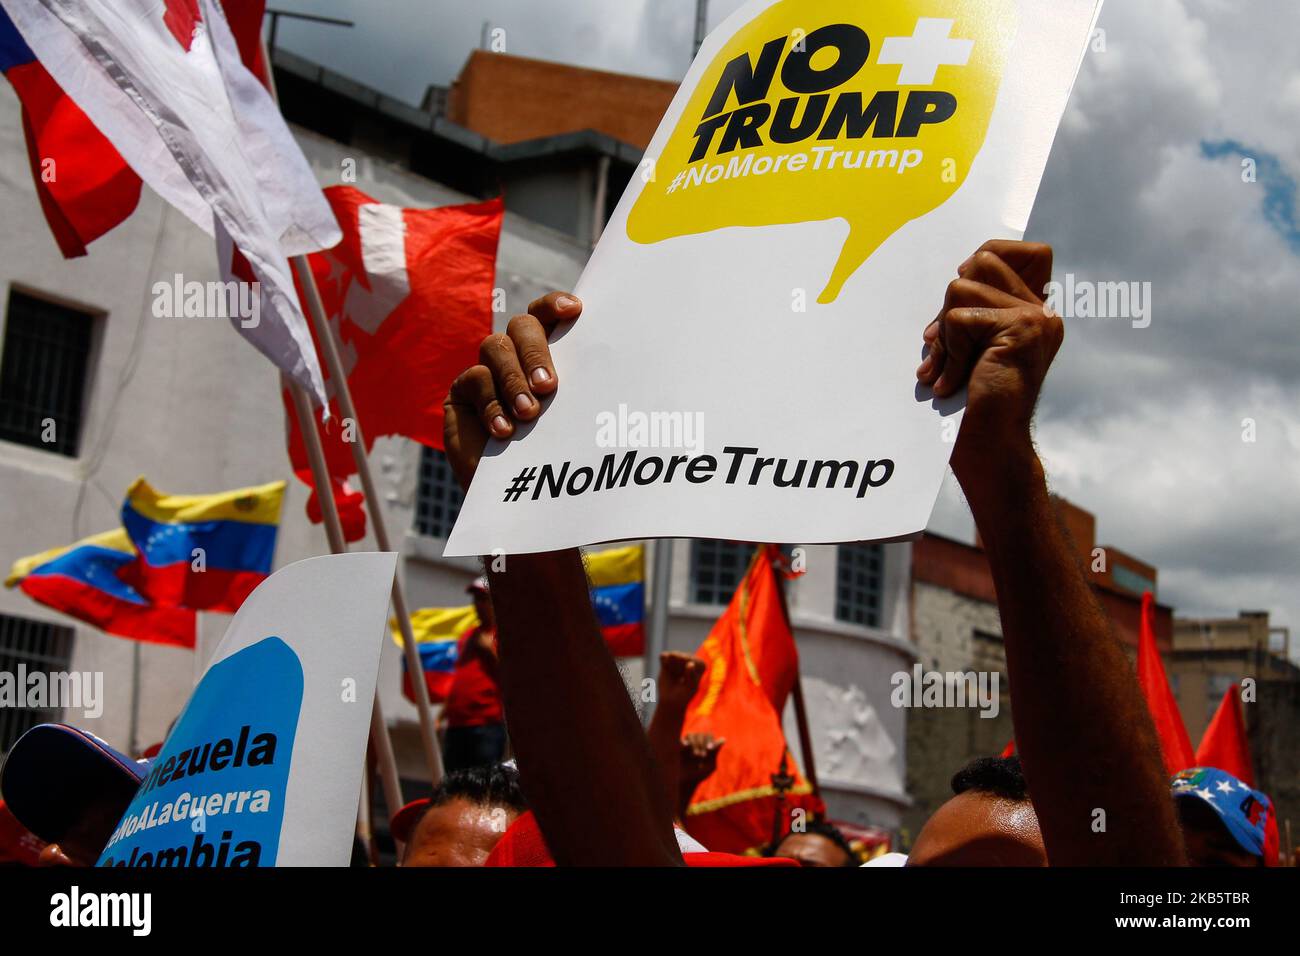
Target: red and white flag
163 81
408 293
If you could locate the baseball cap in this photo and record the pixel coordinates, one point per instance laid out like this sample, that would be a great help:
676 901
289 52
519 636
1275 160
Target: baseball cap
54 772
1244 811
405 819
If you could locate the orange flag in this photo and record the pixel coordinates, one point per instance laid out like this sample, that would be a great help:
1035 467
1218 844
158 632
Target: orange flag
752 666
1224 745
1175 745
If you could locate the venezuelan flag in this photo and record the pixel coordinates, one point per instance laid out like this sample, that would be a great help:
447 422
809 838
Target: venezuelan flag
617 579
83 581
438 631
203 552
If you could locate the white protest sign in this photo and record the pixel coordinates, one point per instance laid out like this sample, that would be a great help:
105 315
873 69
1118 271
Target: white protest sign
263 767
745 364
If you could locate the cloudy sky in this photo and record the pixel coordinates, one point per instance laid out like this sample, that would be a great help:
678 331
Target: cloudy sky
1142 426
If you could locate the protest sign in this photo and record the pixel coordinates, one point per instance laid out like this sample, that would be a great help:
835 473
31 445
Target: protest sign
745 364
263 768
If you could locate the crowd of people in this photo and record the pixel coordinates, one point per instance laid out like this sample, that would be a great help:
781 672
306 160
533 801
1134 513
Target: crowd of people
537 663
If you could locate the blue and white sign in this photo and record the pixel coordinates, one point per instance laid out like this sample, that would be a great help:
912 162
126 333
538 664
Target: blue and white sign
263 768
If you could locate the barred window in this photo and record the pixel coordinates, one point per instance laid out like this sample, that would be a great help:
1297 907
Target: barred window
859 583
46 353
39 647
717 568
437 497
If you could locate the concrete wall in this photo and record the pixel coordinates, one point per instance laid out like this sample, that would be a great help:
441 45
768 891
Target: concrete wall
1271 723
940 741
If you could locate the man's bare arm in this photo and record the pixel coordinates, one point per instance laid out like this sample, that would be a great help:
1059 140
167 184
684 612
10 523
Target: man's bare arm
583 759
1082 728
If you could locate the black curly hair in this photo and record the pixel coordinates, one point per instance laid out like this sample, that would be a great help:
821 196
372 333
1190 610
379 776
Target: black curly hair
998 776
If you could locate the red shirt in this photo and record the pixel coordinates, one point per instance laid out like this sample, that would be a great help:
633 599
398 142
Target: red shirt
474 698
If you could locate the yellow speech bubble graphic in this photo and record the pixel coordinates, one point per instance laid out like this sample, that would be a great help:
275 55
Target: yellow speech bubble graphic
870 112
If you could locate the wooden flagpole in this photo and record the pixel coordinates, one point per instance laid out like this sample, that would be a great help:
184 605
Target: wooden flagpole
382 746
796 693
379 741
325 335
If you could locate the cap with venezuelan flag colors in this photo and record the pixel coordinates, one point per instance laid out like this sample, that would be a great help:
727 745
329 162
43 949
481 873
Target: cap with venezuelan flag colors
1243 810
55 772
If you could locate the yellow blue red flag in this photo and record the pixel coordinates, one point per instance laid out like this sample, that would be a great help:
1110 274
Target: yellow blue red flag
203 552
617 577
83 581
437 631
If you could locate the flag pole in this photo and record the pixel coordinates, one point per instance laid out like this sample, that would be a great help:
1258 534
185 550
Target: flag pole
364 831
379 741
328 345
657 639
325 335
796 693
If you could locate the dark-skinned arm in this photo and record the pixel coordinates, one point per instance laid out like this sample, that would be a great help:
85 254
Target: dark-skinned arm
584 762
1083 732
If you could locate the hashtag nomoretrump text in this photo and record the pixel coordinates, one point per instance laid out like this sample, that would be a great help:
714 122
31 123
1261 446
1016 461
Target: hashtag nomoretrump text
743 466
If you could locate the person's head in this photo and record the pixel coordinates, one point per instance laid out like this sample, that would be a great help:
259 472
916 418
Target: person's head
70 789
478 590
1224 820
988 822
465 817
819 844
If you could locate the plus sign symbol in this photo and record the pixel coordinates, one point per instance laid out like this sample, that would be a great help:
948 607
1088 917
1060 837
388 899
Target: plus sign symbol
929 47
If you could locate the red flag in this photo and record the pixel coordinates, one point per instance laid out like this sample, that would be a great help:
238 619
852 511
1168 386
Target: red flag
1175 745
752 666
84 185
1224 745
409 295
